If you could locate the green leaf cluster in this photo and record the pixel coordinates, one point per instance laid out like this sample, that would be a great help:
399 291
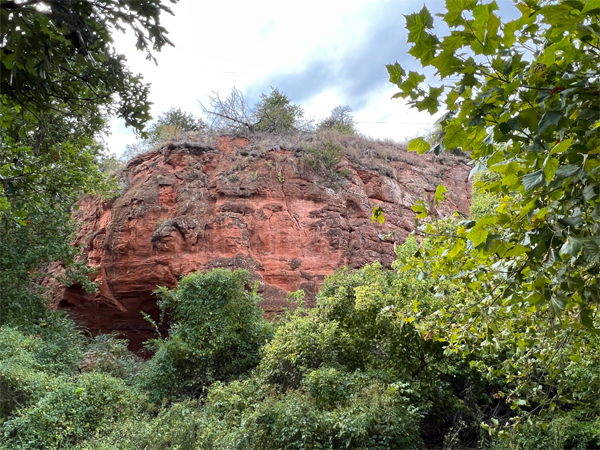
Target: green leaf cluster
525 106
217 331
61 78
59 56
323 160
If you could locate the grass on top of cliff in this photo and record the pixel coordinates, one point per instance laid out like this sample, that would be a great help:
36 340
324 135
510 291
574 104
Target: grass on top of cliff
361 151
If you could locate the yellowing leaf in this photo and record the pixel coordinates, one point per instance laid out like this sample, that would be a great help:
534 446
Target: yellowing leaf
477 235
440 194
457 248
561 146
378 214
517 250
420 210
550 166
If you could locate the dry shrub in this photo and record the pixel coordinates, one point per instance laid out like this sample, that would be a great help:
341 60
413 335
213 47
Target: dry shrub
361 151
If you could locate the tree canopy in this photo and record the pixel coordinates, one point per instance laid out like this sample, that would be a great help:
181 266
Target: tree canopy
168 125
59 56
61 77
526 107
274 113
340 120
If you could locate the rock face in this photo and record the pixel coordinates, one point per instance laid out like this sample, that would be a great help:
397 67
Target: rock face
196 206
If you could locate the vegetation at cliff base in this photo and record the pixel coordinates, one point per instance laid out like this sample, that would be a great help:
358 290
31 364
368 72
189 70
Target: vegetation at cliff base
483 333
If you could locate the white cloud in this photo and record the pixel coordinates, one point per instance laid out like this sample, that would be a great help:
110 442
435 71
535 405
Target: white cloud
321 53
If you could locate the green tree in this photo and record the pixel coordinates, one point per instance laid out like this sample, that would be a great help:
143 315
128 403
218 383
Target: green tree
168 125
274 113
526 106
59 55
216 333
60 77
173 123
340 120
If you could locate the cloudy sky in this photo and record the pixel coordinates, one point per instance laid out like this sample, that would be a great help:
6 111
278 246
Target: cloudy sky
321 53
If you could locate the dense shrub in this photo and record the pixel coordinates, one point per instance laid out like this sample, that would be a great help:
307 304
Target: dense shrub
370 366
216 334
340 120
250 414
71 412
177 426
31 364
108 354
569 431
21 375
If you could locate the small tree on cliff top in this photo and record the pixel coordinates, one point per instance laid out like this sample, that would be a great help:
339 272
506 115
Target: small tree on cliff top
274 113
340 120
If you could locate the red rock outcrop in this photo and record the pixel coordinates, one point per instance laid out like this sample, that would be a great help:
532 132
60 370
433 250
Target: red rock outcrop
192 206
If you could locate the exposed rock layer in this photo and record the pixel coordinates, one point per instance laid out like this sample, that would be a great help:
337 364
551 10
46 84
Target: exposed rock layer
190 207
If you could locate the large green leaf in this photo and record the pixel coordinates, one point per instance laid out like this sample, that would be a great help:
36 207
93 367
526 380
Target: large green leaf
478 234
550 166
455 10
419 145
566 171
548 119
396 72
533 180
412 81
417 24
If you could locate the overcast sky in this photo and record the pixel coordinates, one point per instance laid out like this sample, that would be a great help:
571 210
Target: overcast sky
321 53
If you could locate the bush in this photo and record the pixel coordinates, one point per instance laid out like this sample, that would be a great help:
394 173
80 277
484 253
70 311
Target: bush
323 161
177 426
32 364
106 353
75 409
566 432
340 120
21 375
370 415
216 334
305 344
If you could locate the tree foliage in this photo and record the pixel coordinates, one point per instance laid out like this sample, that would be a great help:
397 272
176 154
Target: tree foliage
59 56
168 125
60 78
173 123
274 113
216 333
340 120
526 107
366 368
63 76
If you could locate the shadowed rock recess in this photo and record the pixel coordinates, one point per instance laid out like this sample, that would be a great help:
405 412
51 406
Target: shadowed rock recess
207 201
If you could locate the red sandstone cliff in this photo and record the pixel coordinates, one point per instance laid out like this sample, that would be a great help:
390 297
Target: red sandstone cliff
208 202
